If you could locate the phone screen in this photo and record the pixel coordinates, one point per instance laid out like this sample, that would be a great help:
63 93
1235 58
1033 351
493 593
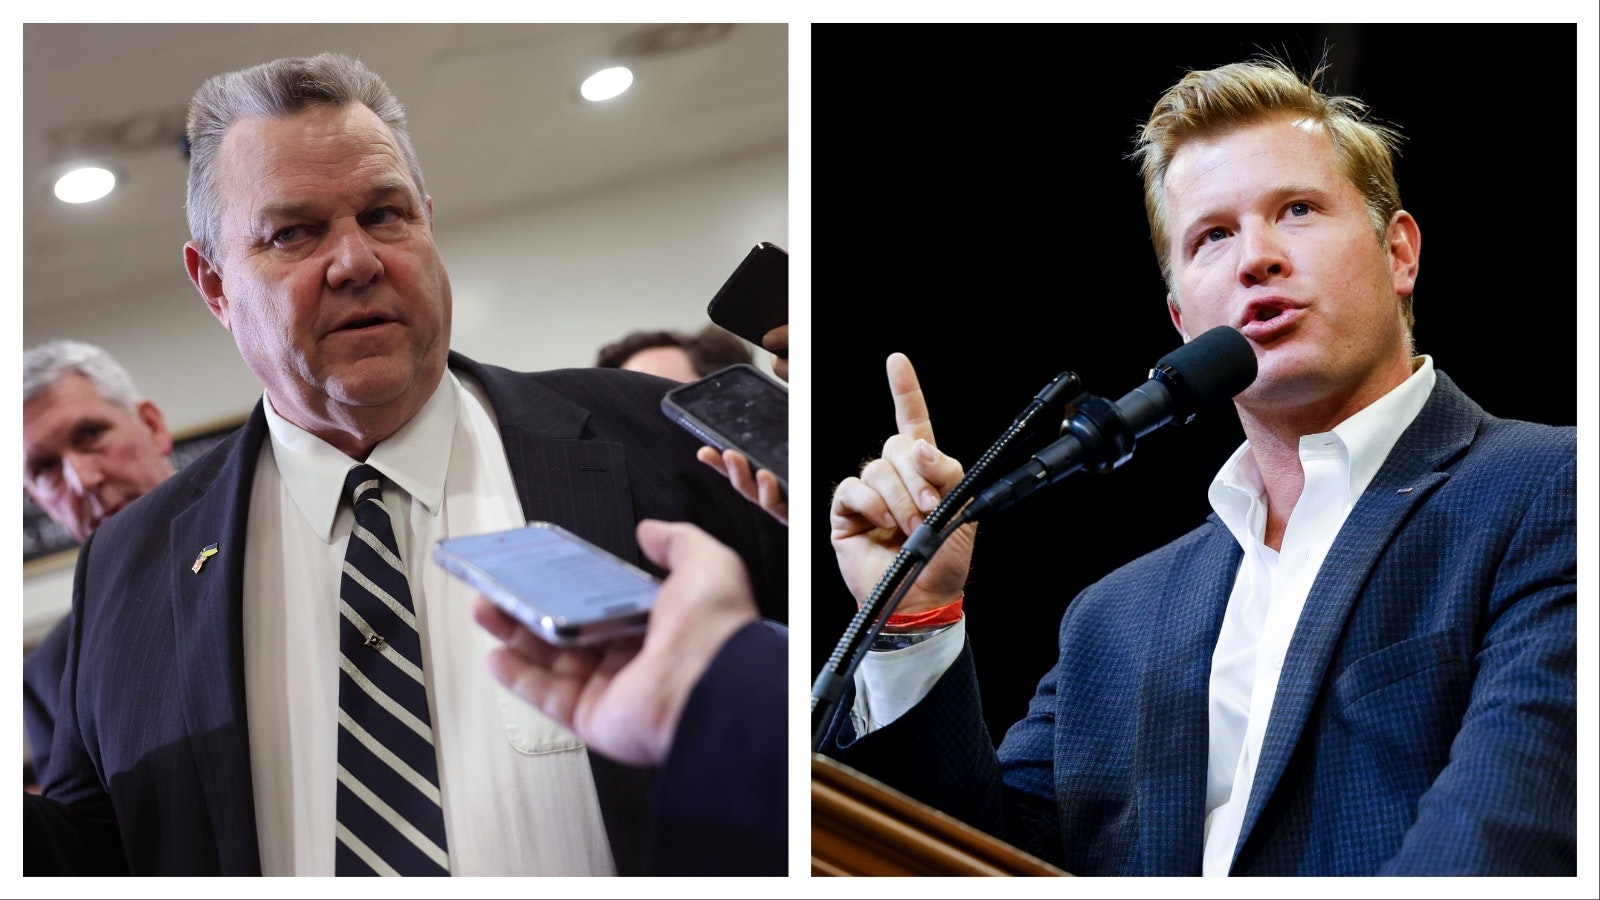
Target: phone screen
737 408
556 583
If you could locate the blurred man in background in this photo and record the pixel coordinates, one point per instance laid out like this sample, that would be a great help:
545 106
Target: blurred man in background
91 444
675 354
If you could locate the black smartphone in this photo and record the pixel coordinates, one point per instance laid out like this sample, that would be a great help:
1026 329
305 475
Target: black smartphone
738 408
755 298
565 589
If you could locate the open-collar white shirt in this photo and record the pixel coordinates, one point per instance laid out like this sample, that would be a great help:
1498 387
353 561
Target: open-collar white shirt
1262 612
1272 586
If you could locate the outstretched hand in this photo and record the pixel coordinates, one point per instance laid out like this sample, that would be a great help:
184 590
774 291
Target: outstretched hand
624 698
874 513
758 486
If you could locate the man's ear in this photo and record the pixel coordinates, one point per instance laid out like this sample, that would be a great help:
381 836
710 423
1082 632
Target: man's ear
150 414
208 280
1405 251
1176 313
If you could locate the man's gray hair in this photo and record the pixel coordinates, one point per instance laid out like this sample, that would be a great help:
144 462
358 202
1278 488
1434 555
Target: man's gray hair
45 364
274 90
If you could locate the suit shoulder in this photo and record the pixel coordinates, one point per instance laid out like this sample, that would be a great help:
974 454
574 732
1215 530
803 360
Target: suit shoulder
603 384
1210 545
1514 437
606 403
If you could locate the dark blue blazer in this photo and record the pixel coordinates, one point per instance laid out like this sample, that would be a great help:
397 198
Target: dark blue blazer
1426 717
151 762
721 804
41 690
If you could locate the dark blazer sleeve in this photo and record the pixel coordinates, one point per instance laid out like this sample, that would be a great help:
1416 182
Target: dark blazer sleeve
1506 801
41 692
720 804
58 840
939 752
75 834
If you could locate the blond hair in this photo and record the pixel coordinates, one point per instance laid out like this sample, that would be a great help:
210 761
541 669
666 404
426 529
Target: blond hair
1211 102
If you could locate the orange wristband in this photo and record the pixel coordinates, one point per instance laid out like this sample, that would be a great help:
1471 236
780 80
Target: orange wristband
948 614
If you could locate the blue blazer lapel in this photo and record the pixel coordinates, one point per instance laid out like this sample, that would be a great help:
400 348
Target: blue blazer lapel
209 640
1413 471
1173 704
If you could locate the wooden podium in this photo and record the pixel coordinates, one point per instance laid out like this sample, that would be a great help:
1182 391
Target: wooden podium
861 826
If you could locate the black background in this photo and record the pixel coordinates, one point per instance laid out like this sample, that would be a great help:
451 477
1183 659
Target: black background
979 214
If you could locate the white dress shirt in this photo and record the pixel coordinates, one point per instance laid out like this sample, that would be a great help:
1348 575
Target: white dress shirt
1262 611
1271 589
516 788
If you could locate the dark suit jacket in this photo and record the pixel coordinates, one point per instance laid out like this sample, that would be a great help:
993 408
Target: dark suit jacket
721 804
152 767
41 691
1426 717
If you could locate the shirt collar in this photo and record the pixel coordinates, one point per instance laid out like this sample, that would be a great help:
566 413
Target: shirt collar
414 458
1367 437
1370 434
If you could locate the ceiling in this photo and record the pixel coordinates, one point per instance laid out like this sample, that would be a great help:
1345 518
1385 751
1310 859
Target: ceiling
493 108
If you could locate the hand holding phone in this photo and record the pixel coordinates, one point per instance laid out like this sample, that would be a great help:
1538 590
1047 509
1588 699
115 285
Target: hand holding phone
754 484
626 701
563 588
737 408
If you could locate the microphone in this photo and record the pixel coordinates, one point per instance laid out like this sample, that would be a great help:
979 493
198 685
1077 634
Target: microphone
1100 435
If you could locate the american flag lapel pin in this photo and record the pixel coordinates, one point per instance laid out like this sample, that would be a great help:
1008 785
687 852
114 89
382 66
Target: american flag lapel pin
205 554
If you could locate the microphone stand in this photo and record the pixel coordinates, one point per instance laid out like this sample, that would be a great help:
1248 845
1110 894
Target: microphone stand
1098 435
915 554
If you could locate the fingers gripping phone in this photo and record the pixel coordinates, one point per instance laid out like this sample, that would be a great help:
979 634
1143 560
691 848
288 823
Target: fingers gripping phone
755 298
563 588
738 408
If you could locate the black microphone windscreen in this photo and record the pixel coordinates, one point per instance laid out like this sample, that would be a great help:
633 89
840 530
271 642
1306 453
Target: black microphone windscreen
1208 370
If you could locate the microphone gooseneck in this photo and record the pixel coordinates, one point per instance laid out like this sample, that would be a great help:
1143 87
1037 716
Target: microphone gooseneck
1062 391
1097 434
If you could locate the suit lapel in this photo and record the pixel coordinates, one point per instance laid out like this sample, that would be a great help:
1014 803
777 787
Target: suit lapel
208 637
1174 712
1413 471
580 484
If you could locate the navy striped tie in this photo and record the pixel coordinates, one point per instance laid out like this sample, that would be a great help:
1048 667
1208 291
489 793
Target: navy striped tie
389 818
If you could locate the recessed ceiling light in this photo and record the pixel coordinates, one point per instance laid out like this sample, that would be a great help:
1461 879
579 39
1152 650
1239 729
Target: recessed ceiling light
607 83
85 184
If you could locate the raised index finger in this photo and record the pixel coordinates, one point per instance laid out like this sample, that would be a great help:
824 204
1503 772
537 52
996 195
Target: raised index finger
910 409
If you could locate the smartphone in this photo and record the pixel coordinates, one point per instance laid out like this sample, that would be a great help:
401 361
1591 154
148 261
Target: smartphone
565 589
755 298
738 408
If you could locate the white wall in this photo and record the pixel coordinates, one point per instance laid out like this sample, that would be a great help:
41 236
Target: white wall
540 290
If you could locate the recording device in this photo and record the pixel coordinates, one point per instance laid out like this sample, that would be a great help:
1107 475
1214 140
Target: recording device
1100 435
563 588
755 298
738 408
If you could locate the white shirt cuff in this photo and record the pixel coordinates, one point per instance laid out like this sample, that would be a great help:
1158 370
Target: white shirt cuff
889 683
